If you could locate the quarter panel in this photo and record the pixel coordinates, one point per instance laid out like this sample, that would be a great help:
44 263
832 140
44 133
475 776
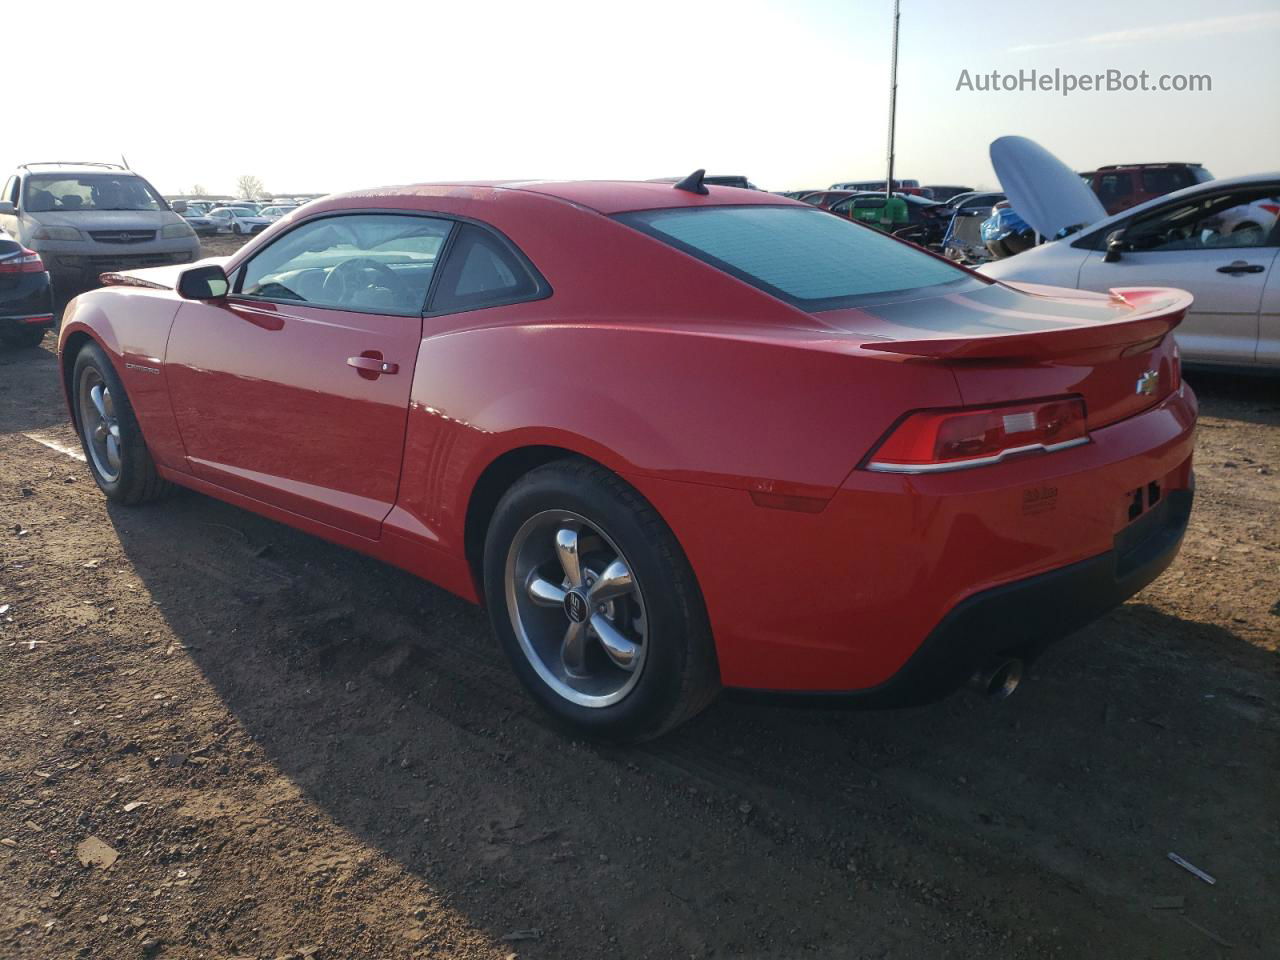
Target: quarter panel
706 406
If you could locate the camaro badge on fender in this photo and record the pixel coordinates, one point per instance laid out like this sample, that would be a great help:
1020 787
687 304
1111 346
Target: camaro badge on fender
1148 383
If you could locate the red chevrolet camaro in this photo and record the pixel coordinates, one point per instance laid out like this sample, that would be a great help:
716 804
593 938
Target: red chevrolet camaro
674 437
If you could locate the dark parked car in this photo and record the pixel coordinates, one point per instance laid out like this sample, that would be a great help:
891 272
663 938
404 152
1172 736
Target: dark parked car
944 193
826 199
197 221
904 215
26 295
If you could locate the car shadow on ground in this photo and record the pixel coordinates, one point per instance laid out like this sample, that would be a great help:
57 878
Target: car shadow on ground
30 409
386 702
1249 397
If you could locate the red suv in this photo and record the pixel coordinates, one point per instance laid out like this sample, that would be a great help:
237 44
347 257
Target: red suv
1123 185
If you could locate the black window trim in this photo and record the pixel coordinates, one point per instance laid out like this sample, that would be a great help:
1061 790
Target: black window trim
542 288
632 219
1096 240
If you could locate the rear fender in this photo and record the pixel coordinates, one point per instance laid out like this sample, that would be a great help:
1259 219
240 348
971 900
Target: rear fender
675 409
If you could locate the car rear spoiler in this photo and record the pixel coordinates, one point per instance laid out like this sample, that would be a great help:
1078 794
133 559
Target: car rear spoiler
1148 314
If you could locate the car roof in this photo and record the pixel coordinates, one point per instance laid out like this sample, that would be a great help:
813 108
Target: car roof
1134 166
602 196
59 166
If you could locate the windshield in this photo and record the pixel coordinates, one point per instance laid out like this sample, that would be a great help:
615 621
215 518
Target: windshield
90 191
803 256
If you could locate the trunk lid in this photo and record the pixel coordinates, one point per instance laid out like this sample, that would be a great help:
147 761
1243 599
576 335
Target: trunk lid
1012 342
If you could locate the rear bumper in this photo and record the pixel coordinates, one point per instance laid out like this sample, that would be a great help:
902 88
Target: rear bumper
1022 617
26 303
846 598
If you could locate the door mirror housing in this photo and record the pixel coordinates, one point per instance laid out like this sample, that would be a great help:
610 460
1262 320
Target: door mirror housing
179 206
1115 247
203 283
7 207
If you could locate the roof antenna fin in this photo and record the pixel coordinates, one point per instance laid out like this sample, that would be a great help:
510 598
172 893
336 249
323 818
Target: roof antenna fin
693 183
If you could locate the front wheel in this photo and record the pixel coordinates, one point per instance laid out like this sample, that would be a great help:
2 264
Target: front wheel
595 604
113 444
235 228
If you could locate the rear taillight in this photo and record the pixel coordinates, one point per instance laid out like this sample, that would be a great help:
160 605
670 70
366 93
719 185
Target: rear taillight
24 261
931 441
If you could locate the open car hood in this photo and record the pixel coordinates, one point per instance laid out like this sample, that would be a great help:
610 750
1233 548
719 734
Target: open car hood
1042 189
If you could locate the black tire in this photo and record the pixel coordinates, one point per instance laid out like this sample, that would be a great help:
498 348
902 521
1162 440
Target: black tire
137 481
25 339
235 228
678 675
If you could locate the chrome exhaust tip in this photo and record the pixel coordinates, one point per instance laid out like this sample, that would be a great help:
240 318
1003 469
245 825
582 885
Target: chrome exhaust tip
997 677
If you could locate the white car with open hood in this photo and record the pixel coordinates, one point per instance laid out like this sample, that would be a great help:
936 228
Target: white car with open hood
1197 239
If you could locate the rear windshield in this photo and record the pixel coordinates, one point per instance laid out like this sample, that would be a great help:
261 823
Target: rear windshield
808 258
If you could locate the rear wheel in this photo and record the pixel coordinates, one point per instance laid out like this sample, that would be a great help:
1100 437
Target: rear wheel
25 338
595 604
113 443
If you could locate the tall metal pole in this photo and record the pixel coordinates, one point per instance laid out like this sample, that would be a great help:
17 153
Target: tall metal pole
893 99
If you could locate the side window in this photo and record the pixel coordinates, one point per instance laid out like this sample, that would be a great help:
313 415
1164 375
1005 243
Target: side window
10 190
482 271
1113 187
1160 181
379 263
1239 218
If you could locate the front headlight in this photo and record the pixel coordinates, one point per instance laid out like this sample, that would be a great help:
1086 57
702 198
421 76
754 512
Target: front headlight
57 233
173 231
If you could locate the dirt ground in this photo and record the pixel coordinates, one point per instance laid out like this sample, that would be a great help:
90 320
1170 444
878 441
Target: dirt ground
283 749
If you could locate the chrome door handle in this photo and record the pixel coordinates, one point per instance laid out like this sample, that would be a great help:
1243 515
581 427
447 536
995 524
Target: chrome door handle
373 365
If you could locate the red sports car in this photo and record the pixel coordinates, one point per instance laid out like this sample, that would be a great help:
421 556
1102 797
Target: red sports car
675 438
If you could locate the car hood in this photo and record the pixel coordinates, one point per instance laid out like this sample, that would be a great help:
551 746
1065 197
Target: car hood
1044 190
157 278
107 219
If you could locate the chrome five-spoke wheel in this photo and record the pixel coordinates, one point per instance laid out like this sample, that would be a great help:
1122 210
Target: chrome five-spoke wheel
576 608
99 423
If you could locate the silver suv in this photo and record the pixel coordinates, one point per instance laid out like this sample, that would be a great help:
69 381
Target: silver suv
88 218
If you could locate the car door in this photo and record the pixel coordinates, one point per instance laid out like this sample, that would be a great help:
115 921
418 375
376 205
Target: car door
294 388
1189 243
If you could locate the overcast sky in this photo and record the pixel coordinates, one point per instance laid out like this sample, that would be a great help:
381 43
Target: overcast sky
793 93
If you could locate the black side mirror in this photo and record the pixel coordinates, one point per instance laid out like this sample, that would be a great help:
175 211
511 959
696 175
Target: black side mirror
203 283
1115 247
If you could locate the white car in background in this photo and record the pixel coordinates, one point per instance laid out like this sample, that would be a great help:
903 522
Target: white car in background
274 213
1259 216
241 221
1194 239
